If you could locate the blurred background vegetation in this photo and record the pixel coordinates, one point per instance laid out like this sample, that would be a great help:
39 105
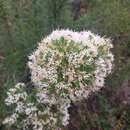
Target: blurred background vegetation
23 23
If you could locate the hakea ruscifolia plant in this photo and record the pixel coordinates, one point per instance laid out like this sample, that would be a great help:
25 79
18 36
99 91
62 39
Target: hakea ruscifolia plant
66 67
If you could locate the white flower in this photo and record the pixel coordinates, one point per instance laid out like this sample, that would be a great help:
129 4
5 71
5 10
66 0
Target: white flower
20 108
11 120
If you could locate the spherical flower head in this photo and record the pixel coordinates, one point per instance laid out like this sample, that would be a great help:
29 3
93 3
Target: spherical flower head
66 62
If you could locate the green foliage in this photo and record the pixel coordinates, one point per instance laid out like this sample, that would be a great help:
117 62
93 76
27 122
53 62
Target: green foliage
58 13
107 17
23 24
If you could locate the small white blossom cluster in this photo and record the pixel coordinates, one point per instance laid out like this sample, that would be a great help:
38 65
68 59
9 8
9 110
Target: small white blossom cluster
66 67
18 101
28 113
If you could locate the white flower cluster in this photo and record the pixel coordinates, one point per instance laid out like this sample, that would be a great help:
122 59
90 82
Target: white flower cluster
17 99
33 114
66 67
73 64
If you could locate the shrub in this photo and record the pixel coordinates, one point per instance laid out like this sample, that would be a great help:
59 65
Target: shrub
66 67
